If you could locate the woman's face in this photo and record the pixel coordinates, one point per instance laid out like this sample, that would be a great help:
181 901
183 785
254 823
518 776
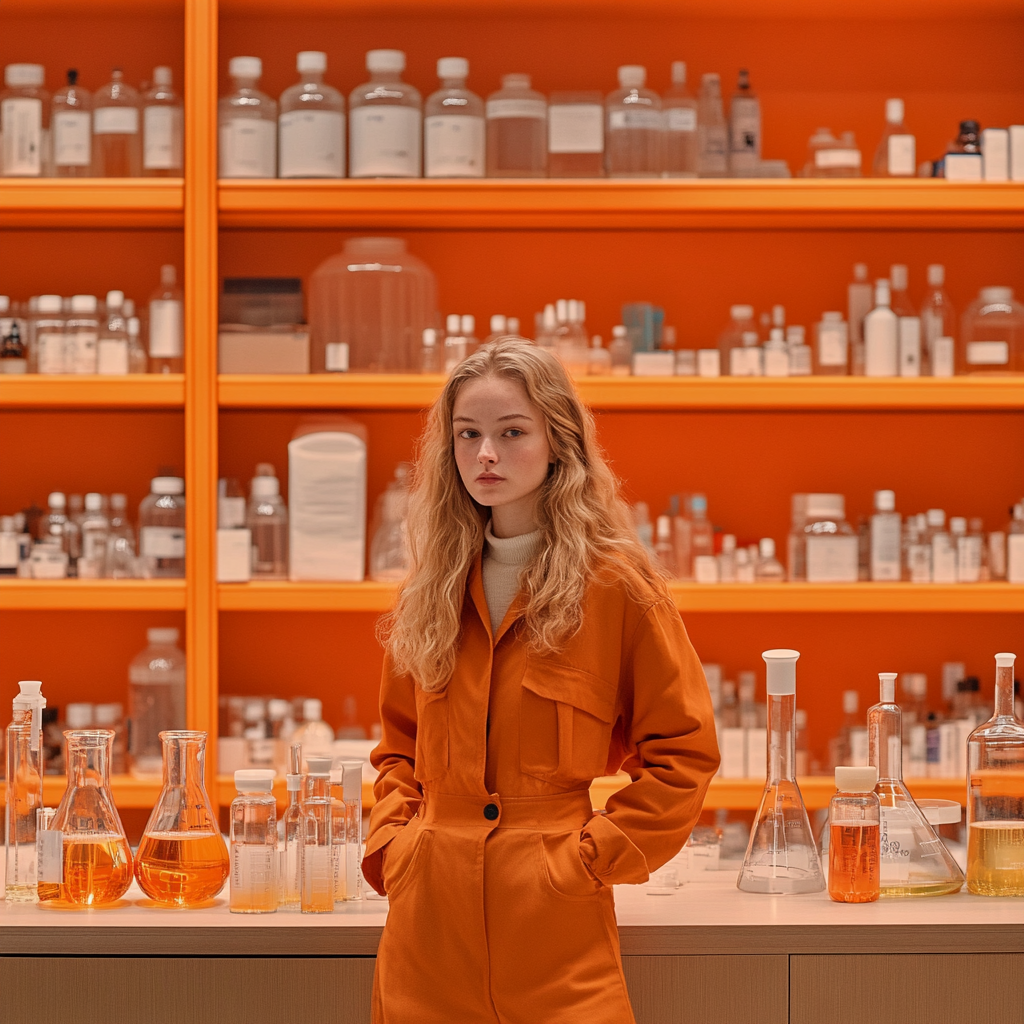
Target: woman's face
501 448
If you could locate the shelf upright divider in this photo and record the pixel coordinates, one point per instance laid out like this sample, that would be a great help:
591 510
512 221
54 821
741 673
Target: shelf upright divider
201 366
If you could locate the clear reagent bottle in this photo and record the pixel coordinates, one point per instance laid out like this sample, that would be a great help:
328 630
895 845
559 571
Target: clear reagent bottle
254 843
853 849
247 124
453 125
385 121
311 127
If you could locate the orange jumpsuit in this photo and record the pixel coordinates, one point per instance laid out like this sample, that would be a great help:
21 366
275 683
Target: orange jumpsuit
498 872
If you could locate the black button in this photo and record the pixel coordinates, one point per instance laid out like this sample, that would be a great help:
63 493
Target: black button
491 812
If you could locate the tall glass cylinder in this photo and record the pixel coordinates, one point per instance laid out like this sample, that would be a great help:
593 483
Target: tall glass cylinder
352 789
317 839
24 792
182 860
995 795
781 855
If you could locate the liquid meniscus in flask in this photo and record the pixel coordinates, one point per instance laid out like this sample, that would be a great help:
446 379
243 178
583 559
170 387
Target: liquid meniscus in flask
181 868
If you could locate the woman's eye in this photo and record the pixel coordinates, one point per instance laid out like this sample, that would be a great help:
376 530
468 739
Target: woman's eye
468 434
513 432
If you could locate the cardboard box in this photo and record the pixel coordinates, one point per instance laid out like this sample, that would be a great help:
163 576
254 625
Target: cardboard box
263 351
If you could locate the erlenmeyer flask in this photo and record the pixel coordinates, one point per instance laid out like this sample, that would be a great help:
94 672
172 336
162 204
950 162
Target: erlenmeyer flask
182 860
915 861
995 792
781 855
96 863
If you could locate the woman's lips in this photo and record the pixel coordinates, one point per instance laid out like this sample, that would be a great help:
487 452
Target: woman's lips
489 478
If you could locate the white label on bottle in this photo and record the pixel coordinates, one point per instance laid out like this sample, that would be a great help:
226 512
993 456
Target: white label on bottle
83 352
885 547
248 148
21 119
10 551
112 356
576 128
453 146
746 362
988 353
968 559
963 167
943 559
832 344
48 562
311 144
336 357
745 132
831 559
902 155
162 542
776 361
165 341
516 108
837 158
641 118
50 854
161 132
385 142
880 344
709 362
1015 558
72 138
942 357
909 330
681 119
50 352
115 121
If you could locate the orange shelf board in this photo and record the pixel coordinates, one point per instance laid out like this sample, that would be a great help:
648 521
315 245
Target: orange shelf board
92 202
158 391
285 596
416 391
128 791
655 203
92 595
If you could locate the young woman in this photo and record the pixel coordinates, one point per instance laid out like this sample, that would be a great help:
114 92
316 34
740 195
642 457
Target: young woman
532 649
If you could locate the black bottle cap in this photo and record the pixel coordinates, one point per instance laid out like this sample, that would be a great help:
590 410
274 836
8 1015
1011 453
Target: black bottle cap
72 76
969 127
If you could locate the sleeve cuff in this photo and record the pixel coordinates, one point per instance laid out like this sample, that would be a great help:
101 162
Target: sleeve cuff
610 855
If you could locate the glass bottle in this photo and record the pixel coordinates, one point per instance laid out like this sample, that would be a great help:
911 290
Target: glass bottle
246 124
156 701
908 323
95 529
702 533
352 799
453 125
389 549
853 849
768 568
914 860
385 121
166 324
82 330
621 352
995 795
311 126
781 856
267 520
162 529
744 129
96 866
576 134
120 563
116 145
24 121
56 528
317 839
13 353
741 323
47 339
634 132
712 131
71 120
992 336
182 860
162 128
290 861
112 346
680 113
24 795
896 154
832 348
138 360
253 817
517 118
859 301
314 734
937 322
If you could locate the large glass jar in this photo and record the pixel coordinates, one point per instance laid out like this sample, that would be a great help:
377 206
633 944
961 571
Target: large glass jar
992 338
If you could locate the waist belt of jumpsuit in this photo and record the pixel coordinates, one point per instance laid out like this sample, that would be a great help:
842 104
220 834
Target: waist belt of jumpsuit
562 810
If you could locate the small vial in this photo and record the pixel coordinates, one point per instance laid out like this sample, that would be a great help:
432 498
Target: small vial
267 520
166 319
744 130
854 834
254 843
680 112
116 139
768 568
517 118
453 125
162 128
432 354
634 129
71 120
600 359
246 124
317 839
311 127
621 352
385 121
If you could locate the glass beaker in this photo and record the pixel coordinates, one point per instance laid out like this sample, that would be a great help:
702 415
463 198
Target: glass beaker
781 856
995 795
96 867
182 860
914 860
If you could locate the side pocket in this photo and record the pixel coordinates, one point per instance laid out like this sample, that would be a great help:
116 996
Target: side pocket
564 869
400 856
432 747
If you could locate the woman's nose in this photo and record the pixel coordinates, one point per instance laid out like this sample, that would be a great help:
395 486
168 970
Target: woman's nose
487 452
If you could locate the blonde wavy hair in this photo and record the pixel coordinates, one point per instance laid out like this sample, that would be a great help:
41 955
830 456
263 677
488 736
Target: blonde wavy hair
585 524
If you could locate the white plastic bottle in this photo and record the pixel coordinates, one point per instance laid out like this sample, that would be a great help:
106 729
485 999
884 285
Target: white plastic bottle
116 138
162 528
385 121
517 130
246 125
896 156
112 347
712 131
162 128
886 539
95 527
311 126
744 129
453 125
881 334
679 108
71 121
24 117
634 131
166 324
156 699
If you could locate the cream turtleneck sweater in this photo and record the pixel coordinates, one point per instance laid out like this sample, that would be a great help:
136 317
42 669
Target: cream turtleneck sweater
504 558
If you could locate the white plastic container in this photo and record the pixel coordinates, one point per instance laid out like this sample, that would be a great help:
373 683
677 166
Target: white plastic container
162 128
311 127
453 126
247 124
24 117
385 121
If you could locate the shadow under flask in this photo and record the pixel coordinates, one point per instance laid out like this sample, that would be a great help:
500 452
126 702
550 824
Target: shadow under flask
182 860
781 855
995 795
95 866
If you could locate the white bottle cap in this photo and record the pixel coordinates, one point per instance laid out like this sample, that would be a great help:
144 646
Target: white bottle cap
515 81
352 779
728 543
245 67
549 320
162 635
851 702
883 295
277 709
856 779
894 111
766 547
710 76
265 486
452 67
254 780
293 783
513 325
83 303
7 524
898 277
167 485
994 294
860 271
957 525
562 310
93 501
679 72
741 312
119 501
319 765
826 506
5 303
115 299
936 275
49 304
885 501
499 325
935 517
781 677
168 274
314 61
429 337
832 317
385 60
663 528
618 331
56 499
632 76
24 75
452 323
162 76
31 689
79 716
1005 660
886 687
133 326
312 709
468 323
